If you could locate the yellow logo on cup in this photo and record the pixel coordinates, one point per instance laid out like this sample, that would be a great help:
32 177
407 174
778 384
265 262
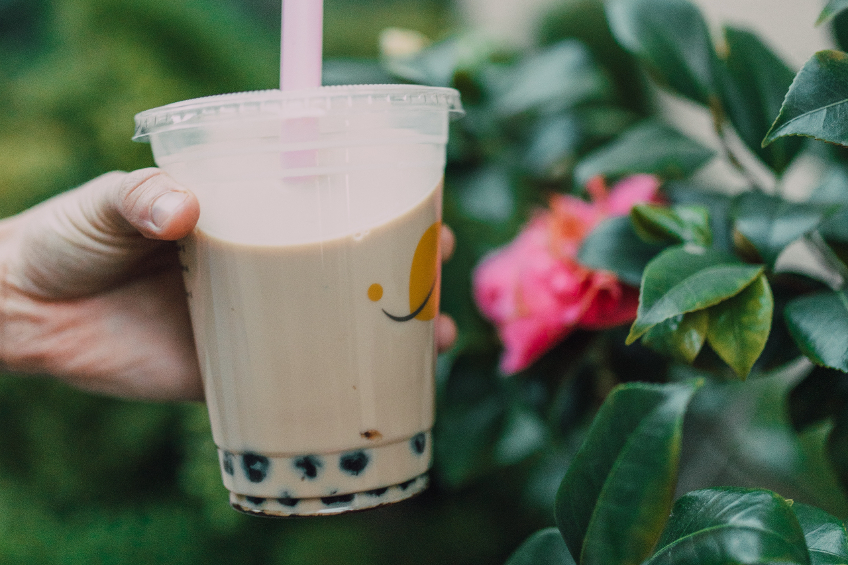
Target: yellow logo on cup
423 279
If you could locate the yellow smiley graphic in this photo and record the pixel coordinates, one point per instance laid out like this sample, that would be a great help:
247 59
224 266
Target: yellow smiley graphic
423 280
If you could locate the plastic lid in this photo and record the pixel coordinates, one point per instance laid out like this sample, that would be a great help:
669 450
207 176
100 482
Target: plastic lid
295 104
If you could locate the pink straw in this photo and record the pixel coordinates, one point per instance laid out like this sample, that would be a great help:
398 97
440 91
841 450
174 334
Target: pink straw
301 44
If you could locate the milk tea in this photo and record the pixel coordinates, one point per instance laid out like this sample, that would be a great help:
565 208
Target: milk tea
318 358
312 279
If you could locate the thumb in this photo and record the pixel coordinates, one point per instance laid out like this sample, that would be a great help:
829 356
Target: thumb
94 236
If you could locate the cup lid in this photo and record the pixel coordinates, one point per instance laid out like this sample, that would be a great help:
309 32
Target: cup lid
316 102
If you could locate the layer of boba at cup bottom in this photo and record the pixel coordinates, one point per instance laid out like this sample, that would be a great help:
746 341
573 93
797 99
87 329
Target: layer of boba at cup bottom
329 504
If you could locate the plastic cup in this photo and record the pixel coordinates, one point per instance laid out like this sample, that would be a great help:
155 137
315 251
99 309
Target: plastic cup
313 282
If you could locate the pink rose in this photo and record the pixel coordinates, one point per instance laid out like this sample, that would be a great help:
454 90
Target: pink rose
536 292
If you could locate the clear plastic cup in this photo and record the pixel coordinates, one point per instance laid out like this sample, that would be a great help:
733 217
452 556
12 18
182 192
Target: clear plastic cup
313 282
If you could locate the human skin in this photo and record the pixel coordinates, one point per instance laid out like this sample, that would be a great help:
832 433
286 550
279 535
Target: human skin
91 289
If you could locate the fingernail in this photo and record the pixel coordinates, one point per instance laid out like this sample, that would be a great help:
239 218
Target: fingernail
165 206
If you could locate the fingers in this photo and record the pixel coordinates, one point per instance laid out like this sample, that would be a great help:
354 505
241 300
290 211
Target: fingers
154 204
447 241
446 333
89 238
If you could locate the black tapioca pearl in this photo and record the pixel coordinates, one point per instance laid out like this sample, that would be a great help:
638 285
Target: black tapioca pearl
418 443
288 501
309 465
255 500
341 498
406 484
255 467
353 463
377 491
229 467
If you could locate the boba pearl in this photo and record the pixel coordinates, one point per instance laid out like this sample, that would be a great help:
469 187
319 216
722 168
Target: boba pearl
353 463
309 465
418 443
255 467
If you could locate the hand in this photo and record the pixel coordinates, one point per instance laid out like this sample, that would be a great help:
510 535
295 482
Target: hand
91 289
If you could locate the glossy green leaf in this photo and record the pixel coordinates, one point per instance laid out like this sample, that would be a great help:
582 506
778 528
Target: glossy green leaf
616 494
819 396
817 102
825 535
754 87
680 337
647 147
545 547
770 223
819 325
831 10
676 224
740 326
614 246
685 279
671 38
560 77
731 526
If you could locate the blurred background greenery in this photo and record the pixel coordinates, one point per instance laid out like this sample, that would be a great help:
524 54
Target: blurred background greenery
86 479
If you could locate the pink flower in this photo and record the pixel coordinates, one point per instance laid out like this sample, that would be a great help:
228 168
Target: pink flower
535 291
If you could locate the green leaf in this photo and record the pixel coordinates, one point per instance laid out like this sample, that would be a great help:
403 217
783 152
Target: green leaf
685 279
545 547
819 325
731 526
817 102
560 77
825 535
671 38
614 246
616 493
754 88
678 224
831 10
740 325
771 223
680 337
647 147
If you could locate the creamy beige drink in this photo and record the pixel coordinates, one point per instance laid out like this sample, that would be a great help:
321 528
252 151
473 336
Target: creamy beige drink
320 350
313 283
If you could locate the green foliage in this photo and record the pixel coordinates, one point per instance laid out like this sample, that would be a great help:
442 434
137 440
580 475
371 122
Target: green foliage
678 224
831 10
545 547
615 495
819 326
647 147
615 246
771 223
754 86
671 39
816 103
685 279
732 525
825 535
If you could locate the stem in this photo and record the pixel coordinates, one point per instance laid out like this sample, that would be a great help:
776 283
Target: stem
830 258
721 131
